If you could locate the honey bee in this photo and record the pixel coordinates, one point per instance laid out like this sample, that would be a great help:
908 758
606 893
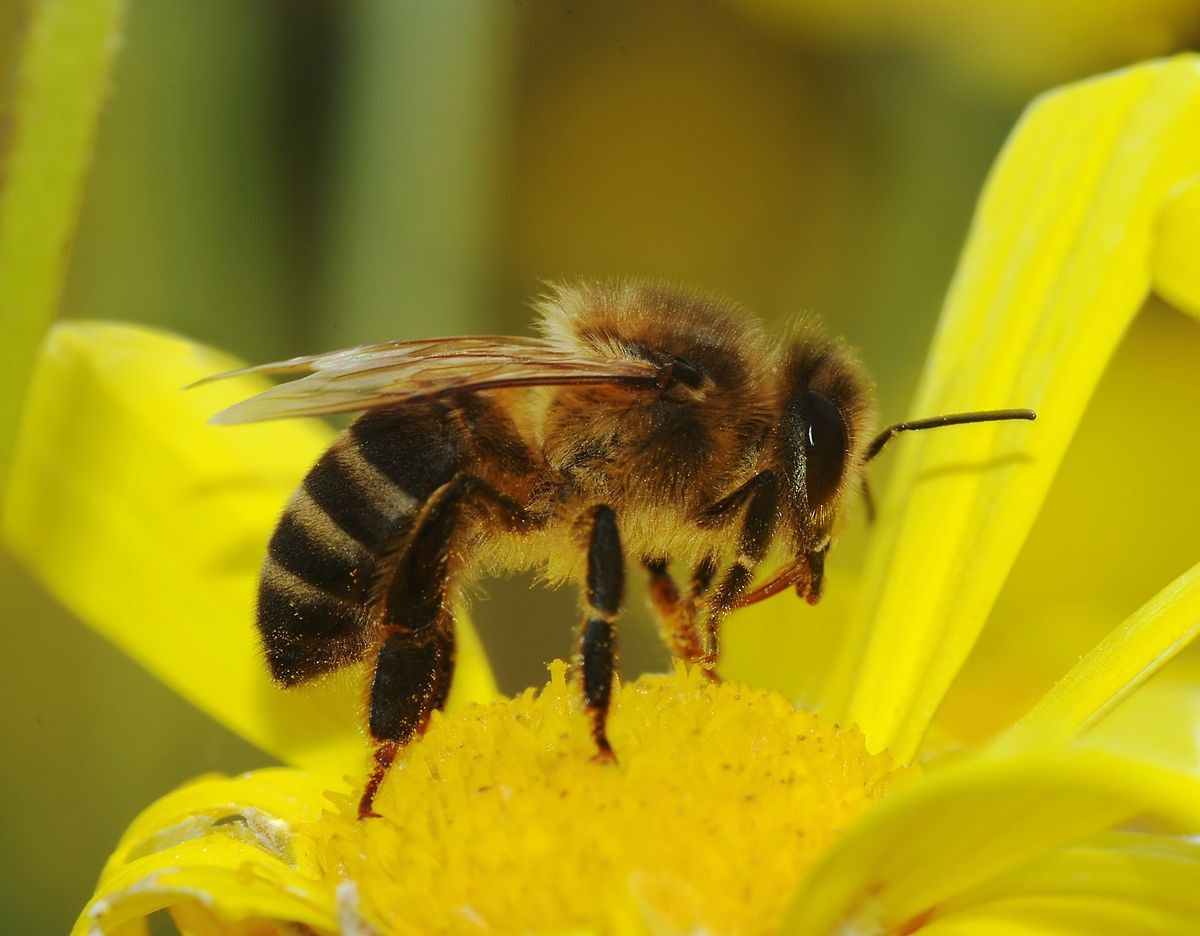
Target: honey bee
647 421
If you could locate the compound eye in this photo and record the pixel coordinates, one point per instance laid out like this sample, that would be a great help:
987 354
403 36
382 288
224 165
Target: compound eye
825 447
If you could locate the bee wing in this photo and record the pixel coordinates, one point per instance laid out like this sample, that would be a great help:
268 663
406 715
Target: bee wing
402 371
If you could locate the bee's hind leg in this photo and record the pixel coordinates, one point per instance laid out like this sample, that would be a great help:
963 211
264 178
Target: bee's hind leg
415 663
412 678
413 671
604 591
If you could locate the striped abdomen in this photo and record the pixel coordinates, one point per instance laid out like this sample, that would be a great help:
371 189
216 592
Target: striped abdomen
352 509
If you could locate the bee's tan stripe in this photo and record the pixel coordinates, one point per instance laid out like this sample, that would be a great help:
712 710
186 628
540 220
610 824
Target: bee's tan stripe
378 487
321 528
312 547
367 508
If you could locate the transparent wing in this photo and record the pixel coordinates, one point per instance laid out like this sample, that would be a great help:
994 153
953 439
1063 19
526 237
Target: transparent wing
403 371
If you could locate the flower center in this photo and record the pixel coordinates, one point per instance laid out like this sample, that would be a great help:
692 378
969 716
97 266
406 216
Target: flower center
500 819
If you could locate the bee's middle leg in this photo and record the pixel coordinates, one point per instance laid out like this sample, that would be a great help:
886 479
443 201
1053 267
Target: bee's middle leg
604 592
676 614
415 662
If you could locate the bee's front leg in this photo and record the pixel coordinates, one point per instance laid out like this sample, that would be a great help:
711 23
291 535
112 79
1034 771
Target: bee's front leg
603 594
754 539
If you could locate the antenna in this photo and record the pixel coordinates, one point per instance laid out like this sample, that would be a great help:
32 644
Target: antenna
795 572
935 422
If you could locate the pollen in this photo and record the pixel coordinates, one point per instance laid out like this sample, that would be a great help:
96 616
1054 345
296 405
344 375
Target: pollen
501 819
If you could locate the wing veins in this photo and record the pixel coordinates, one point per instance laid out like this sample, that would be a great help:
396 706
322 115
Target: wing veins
399 372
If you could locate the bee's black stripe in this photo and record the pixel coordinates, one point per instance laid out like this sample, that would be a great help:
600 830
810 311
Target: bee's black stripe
331 562
331 485
306 633
418 449
305 612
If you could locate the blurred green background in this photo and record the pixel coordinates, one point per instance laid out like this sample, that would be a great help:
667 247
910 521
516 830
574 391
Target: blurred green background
295 175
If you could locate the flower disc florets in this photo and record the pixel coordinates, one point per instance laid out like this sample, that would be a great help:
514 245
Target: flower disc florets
500 818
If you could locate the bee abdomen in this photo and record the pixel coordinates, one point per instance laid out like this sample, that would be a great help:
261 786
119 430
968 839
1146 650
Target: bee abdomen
417 450
353 507
362 502
306 632
313 594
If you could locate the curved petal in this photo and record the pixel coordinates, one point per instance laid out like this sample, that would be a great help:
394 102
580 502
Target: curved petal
1158 723
1121 662
971 822
263 801
1177 244
1112 885
1056 266
150 524
231 845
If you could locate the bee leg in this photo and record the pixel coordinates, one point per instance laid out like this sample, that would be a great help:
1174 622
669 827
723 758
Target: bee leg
702 578
675 625
676 614
415 663
605 586
754 538
384 754
412 678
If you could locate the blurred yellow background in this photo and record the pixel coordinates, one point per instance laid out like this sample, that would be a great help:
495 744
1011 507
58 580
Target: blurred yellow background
287 177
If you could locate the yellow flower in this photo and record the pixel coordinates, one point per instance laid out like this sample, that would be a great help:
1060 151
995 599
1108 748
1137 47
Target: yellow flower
730 810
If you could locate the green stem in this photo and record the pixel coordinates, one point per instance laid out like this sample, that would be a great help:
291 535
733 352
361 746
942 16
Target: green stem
61 82
419 171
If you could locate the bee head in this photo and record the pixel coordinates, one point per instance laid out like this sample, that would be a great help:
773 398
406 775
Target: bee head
825 421
819 450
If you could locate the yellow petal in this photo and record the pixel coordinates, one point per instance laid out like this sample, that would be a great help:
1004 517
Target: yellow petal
1056 604
151 524
195 919
238 846
245 879
1156 723
971 822
1177 247
1115 884
1056 266
260 799
1121 662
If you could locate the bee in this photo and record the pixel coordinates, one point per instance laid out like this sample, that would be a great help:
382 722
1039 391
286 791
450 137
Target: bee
646 423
